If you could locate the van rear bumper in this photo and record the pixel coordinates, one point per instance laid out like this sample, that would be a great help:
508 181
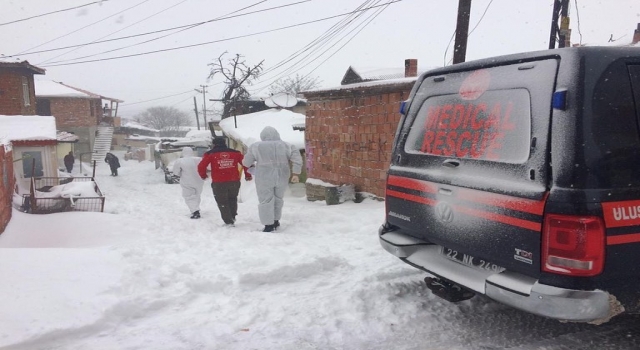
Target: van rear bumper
510 288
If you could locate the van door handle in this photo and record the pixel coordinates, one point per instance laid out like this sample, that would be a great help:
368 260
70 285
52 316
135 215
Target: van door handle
451 163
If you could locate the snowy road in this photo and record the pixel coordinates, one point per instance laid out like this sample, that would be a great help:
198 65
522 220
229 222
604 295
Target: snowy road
145 276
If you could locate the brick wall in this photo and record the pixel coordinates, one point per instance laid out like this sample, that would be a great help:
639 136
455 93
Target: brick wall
11 99
7 183
74 112
349 134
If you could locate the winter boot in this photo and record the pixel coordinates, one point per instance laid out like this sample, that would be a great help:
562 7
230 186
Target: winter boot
276 224
269 228
196 214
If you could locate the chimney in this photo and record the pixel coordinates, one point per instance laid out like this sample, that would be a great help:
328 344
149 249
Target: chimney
410 67
636 35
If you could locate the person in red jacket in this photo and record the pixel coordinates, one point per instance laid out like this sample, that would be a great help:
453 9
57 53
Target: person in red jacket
225 177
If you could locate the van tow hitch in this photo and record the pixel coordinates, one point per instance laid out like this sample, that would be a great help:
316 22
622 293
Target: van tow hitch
447 290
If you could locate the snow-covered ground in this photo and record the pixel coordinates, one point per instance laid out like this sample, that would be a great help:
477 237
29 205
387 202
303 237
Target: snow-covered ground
142 275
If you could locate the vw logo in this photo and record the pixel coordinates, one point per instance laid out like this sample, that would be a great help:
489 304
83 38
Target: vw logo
444 212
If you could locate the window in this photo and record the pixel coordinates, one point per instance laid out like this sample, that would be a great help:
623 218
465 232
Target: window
495 126
26 95
29 168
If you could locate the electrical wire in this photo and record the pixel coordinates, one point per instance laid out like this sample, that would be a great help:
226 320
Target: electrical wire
290 70
329 33
470 32
578 17
214 41
89 25
188 98
117 31
50 13
152 32
182 30
155 99
372 17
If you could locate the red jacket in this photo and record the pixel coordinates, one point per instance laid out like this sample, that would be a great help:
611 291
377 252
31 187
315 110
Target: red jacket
224 163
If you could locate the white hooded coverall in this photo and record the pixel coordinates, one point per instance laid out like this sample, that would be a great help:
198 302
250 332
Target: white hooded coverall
191 183
272 157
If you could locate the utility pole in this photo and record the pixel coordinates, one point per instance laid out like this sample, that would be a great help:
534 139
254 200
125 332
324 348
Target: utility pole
462 31
204 103
560 33
195 108
234 99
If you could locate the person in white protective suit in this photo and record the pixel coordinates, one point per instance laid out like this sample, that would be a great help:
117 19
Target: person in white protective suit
191 183
271 157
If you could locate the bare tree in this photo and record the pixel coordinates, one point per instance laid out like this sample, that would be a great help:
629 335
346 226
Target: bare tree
168 120
236 74
294 85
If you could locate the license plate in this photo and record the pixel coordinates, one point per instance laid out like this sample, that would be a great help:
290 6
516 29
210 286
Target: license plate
469 260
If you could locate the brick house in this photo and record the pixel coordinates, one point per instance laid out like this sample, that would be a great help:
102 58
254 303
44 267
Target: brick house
76 111
350 129
17 92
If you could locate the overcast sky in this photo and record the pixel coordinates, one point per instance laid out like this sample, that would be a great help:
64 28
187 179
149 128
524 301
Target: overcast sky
380 37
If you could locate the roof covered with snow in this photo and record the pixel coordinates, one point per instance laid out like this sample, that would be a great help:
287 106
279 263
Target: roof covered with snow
135 125
365 84
378 73
50 88
27 127
250 125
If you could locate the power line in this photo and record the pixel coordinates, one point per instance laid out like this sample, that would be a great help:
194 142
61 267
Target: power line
290 69
155 99
164 36
328 33
50 13
471 31
578 16
356 34
89 25
119 30
156 31
188 98
214 41
316 44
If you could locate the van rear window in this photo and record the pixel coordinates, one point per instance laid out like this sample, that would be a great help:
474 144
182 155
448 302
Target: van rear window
495 126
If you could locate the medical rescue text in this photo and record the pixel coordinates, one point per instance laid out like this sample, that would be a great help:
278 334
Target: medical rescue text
467 129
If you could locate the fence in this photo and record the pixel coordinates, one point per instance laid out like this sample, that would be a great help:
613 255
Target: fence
40 202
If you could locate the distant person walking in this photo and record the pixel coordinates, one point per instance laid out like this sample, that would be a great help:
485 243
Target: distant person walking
114 163
225 177
272 157
190 182
69 159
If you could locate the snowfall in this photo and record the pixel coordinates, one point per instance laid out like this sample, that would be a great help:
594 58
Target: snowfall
143 275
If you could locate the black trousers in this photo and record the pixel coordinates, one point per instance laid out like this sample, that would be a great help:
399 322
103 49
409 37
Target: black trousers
226 196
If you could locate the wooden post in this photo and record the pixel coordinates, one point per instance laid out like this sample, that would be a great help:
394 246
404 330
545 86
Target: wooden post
462 31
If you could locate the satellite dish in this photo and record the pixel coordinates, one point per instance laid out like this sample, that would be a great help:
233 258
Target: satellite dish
282 100
269 102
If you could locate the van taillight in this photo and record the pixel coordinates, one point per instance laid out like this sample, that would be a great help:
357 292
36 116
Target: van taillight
573 245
